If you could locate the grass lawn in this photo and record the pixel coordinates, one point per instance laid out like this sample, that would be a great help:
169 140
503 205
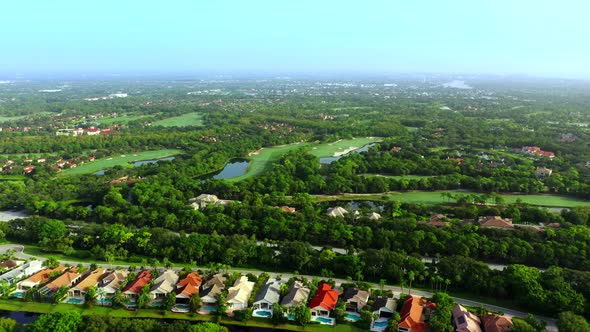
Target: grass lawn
122 160
434 197
263 159
44 308
121 119
189 119
12 118
12 177
409 177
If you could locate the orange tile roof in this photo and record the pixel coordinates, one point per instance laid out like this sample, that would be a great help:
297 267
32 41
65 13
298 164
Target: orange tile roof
43 275
189 286
135 286
495 221
411 315
325 297
496 323
92 279
64 279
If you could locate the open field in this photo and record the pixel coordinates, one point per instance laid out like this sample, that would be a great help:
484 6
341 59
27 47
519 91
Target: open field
11 118
122 160
262 159
435 197
189 119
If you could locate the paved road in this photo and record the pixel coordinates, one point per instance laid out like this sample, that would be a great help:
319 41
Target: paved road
551 322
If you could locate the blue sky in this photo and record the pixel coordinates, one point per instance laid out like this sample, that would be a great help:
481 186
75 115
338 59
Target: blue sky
543 38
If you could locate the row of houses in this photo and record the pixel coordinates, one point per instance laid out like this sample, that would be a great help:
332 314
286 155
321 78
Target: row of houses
414 314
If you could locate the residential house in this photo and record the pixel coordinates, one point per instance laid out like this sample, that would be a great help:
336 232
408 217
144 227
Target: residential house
496 323
324 301
203 200
92 279
211 289
133 289
384 306
287 209
495 222
337 212
110 284
38 278
464 320
543 172
355 299
268 295
67 279
239 293
22 271
413 318
373 216
436 220
297 296
188 286
10 264
164 284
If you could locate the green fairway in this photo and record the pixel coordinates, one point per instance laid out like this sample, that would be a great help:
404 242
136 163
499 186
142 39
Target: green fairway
262 159
399 177
435 197
121 119
189 119
11 118
122 160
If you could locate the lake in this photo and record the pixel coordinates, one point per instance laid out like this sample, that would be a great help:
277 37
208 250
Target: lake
329 160
138 163
11 215
235 168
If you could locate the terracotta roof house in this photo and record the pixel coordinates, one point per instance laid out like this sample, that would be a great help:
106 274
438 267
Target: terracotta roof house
22 271
209 295
495 221
188 286
92 279
38 278
412 315
337 212
496 323
217 279
164 284
133 289
298 295
239 293
112 282
355 299
268 295
324 301
384 307
67 279
464 320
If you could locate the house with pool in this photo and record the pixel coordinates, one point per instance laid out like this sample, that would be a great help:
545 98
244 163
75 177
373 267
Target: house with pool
323 303
109 285
163 285
133 289
355 299
239 293
268 295
67 279
92 279
38 278
22 271
187 287
297 296
383 308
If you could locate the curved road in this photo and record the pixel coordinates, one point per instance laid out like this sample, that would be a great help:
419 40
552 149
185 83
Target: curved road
551 322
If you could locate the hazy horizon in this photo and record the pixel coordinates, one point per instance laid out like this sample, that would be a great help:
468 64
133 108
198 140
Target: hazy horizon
459 37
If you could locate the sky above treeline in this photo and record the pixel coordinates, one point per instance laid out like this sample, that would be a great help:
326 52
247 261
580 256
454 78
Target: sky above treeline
504 37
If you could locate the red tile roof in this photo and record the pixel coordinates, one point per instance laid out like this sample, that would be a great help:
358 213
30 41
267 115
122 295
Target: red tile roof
135 286
189 286
325 297
411 315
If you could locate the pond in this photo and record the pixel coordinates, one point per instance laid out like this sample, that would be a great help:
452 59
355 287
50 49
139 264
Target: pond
329 160
235 168
19 316
151 161
11 215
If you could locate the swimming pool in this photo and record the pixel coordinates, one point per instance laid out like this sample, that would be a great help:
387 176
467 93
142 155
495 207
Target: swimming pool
18 294
183 306
383 323
210 308
74 301
156 304
104 302
324 320
262 313
352 317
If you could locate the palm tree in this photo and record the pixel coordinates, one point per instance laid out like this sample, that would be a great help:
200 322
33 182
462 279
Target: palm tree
447 283
411 277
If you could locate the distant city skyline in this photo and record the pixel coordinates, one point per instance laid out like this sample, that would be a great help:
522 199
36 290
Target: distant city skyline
503 37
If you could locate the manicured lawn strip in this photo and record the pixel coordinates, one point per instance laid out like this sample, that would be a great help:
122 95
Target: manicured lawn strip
122 119
125 161
44 308
189 119
399 177
266 156
434 197
12 177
